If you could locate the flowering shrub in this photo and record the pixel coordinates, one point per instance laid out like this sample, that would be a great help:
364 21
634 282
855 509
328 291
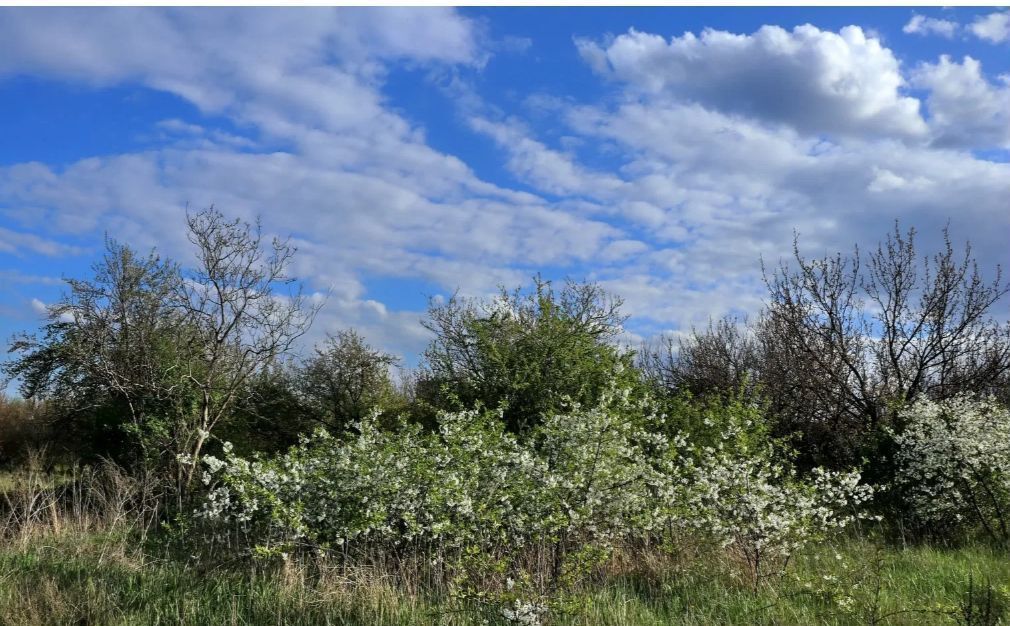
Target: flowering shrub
379 487
511 523
763 511
953 464
470 493
605 467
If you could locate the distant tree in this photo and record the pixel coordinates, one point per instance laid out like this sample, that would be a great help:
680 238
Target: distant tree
24 427
525 351
722 360
345 380
270 415
844 341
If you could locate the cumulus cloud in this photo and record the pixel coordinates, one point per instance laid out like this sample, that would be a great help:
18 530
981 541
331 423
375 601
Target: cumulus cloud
814 80
966 109
922 25
994 28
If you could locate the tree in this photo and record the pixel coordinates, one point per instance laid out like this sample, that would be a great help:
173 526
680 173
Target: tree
163 353
113 347
242 319
270 415
847 340
345 380
722 360
525 351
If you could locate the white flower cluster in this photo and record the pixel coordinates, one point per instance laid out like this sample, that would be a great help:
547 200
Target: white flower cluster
953 463
591 474
581 482
524 613
763 509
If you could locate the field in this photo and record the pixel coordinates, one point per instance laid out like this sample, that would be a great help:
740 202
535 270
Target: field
531 471
101 579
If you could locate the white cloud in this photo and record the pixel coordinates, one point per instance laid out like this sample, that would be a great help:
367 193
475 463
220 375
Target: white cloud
14 276
15 242
816 81
729 191
715 167
994 28
316 65
966 109
356 183
549 170
922 25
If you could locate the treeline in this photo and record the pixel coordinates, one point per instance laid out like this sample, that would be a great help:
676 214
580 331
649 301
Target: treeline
146 360
529 441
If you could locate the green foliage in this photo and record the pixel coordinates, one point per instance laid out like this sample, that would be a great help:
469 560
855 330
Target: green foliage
270 416
111 359
731 421
527 352
523 523
157 357
346 380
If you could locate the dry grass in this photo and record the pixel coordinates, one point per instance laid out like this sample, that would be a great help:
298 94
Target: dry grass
74 550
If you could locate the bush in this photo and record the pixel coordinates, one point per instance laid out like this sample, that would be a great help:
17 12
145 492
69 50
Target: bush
490 512
953 465
764 512
24 427
520 523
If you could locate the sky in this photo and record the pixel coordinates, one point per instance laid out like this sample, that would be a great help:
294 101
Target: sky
410 153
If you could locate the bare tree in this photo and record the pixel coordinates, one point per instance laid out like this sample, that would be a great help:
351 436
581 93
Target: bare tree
722 359
846 339
936 333
242 320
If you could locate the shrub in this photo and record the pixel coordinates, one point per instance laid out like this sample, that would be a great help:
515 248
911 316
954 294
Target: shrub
953 464
504 522
764 512
519 523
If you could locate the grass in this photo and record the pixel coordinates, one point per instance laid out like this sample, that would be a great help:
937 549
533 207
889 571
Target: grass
79 556
100 579
13 480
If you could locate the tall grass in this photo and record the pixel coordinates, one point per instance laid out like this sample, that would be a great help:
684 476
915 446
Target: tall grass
81 547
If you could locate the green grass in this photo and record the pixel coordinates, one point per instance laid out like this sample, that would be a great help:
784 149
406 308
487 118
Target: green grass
98 579
869 583
91 581
14 480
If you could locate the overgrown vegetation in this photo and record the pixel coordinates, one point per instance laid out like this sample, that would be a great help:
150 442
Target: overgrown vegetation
842 459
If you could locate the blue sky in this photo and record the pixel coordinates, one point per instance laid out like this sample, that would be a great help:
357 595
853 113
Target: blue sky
413 152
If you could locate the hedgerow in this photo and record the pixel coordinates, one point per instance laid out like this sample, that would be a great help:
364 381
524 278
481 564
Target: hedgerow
517 523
